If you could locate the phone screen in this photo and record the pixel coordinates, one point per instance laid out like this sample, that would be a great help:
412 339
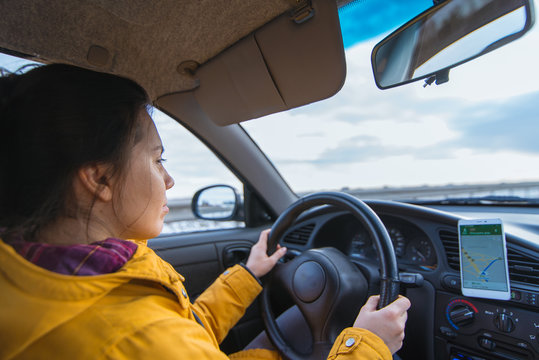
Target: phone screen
483 260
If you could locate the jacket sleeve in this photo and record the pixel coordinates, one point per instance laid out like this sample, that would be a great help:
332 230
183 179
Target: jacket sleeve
359 344
225 301
173 338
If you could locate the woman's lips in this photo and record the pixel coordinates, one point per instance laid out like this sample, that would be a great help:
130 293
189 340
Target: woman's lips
166 209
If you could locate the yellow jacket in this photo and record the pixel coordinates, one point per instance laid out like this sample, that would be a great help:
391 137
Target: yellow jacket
139 312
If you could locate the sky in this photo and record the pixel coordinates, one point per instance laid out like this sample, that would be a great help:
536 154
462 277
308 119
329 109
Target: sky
481 127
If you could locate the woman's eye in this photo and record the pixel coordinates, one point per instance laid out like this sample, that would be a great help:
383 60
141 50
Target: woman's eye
161 160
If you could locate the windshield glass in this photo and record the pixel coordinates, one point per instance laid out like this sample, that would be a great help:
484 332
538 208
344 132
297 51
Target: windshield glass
473 136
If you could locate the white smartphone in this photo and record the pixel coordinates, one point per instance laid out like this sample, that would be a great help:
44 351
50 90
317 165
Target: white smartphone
483 259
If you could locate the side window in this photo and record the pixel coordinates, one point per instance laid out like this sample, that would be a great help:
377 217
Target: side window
193 166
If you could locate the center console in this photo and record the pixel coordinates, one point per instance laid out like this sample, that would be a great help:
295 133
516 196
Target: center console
479 329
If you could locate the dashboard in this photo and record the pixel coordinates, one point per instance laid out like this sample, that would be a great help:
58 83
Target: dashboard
412 246
442 323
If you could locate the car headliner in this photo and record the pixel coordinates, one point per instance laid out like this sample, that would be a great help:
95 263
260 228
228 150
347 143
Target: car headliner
144 40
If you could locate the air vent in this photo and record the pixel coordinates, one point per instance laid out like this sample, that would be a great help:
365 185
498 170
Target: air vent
522 268
450 241
300 236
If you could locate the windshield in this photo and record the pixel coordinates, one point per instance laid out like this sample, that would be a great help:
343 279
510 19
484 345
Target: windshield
473 136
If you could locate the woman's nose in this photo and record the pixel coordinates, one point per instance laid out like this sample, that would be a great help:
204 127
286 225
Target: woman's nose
169 181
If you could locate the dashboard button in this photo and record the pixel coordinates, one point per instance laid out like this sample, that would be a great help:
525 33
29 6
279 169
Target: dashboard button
531 298
504 322
448 332
487 343
462 315
451 282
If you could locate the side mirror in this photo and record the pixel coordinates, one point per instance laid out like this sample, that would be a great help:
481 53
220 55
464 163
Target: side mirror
447 35
216 202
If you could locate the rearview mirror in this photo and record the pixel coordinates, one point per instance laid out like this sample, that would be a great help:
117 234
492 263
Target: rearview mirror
447 35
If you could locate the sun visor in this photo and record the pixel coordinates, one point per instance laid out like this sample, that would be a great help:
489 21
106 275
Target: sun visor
296 59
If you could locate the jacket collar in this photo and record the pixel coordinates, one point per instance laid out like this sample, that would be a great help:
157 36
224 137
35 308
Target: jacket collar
34 280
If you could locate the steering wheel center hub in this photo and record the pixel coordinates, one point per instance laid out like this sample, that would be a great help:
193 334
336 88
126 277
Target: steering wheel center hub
309 281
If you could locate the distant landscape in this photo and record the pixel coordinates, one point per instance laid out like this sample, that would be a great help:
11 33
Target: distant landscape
181 219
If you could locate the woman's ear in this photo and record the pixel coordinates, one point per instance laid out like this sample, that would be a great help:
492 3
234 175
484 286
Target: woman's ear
94 179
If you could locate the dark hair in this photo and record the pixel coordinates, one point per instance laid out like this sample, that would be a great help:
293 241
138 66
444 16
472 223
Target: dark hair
54 119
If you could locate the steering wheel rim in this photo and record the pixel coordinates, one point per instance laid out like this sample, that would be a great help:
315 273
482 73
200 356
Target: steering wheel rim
389 283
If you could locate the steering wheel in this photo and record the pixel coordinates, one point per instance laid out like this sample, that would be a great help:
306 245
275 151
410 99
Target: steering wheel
326 287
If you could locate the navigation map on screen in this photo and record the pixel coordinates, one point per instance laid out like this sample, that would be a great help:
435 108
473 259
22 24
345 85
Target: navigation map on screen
483 257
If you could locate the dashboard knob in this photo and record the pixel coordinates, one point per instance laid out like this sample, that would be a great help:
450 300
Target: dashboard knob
504 323
462 315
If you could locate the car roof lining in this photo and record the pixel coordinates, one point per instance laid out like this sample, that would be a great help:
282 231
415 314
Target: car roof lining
139 39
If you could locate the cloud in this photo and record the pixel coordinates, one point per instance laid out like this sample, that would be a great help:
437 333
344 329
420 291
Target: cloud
488 126
358 149
494 126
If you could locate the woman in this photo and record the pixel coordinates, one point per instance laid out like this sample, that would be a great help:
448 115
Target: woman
72 286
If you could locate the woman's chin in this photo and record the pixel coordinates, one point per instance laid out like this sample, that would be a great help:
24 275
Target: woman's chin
146 234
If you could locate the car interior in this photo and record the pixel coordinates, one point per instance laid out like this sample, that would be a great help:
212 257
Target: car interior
213 65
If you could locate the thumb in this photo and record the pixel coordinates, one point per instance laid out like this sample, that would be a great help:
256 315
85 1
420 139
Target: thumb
278 254
372 303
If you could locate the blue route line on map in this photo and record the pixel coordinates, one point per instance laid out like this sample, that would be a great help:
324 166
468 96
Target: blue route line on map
489 265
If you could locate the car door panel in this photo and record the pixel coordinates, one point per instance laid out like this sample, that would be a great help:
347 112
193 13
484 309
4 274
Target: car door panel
200 257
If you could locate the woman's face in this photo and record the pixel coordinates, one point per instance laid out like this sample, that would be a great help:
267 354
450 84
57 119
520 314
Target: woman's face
141 203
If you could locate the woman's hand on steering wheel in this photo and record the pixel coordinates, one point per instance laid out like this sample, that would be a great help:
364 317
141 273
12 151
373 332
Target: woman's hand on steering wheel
388 322
259 263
